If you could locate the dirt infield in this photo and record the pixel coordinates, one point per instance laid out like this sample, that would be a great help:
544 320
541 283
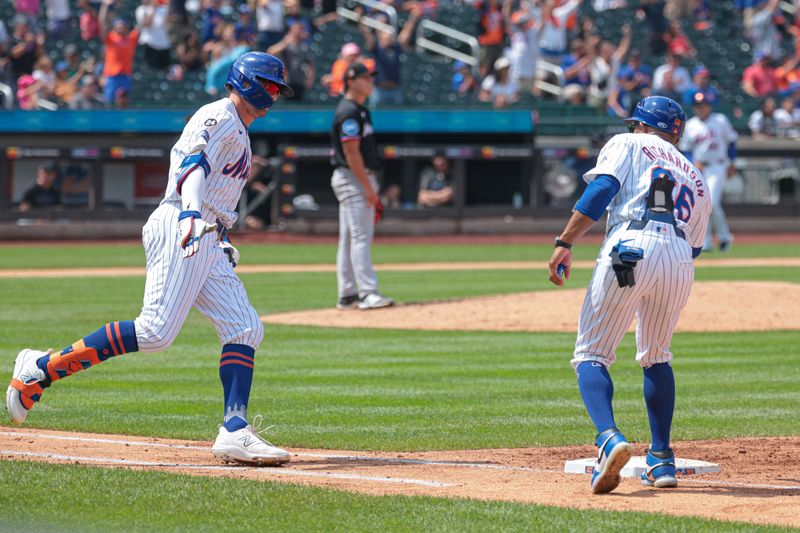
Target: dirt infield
757 483
713 306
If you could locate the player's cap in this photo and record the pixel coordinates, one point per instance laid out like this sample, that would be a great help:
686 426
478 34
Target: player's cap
501 63
356 70
701 69
458 65
626 73
350 49
119 21
703 97
244 9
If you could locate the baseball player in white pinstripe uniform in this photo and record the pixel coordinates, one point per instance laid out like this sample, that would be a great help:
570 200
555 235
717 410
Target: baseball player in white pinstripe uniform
190 263
710 143
658 207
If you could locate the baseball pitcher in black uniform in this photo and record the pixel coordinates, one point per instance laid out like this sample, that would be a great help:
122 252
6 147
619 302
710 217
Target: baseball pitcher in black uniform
355 161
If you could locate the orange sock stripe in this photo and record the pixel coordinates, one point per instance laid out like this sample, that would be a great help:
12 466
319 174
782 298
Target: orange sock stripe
118 335
26 391
111 339
239 355
235 362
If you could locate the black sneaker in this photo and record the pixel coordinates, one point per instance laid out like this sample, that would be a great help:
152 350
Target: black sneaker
348 302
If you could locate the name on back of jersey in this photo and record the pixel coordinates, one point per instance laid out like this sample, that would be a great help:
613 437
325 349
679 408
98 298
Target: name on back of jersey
655 153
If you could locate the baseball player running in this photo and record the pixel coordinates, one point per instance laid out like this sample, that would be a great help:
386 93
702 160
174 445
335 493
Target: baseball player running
658 207
710 143
189 263
355 158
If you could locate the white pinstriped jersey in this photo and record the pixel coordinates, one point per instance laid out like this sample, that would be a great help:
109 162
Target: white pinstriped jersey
228 153
708 140
631 159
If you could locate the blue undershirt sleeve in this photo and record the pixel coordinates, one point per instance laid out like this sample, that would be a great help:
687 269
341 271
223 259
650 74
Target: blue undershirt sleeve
597 196
696 252
732 151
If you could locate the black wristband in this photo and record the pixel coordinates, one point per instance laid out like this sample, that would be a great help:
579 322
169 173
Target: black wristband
562 244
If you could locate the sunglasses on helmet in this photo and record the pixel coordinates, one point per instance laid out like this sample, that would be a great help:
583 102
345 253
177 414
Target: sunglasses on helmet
273 89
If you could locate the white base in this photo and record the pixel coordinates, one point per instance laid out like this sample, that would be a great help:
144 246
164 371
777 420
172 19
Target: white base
637 466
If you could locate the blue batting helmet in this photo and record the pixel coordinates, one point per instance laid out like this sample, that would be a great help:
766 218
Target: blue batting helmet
247 72
661 113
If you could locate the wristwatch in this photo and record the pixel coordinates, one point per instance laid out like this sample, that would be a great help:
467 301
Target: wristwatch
562 244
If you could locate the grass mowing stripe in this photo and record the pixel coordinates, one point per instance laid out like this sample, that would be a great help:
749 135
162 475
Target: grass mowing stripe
131 254
123 500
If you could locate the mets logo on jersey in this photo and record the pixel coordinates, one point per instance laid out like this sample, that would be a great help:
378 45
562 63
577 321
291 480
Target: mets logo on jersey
240 169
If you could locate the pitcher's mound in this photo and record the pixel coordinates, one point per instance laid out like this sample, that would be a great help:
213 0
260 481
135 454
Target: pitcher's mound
713 306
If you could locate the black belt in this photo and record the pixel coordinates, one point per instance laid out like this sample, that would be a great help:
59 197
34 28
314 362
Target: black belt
650 216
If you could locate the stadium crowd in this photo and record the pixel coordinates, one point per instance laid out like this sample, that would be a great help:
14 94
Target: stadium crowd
529 50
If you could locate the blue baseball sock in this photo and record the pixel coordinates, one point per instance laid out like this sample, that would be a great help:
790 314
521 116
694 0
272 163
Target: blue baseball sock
659 395
115 338
236 373
597 390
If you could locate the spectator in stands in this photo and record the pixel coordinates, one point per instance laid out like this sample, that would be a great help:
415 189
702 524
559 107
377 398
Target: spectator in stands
293 50
576 64
672 79
678 42
188 52
43 73
499 88
701 81
436 184
72 58
350 53
787 75
65 87
294 15
57 18
631 87
246 31
765 122
678 9
88 96
761 30
386 49
269 21
556 18
787 119
524 50
212 17
151 18
491 33
44 192
89 20
758 80
642 73
120 47
222 53
605 67
392 197
28 92
25 46
463 82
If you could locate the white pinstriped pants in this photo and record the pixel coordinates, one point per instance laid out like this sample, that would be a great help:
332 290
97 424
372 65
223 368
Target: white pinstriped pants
175 284
716 176
663 282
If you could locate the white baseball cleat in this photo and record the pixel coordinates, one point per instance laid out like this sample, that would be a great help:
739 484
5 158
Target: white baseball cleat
246 446
26 387
375 300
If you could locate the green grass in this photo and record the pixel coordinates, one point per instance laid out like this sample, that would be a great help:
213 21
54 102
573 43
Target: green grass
359 389
131 254
82 499
373 389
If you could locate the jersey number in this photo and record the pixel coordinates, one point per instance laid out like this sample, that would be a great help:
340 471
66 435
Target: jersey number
684 203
